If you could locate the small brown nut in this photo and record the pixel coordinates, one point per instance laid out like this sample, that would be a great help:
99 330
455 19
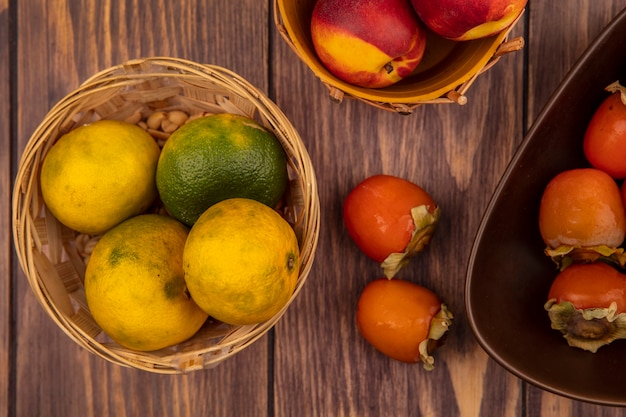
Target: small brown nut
158 134
134 118
85 244
91 244
168 126
81 241
155 119
178 117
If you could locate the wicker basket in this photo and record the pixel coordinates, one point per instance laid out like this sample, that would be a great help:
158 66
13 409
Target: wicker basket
51 254
446 72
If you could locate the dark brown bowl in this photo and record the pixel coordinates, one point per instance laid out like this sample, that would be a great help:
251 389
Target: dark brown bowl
508 275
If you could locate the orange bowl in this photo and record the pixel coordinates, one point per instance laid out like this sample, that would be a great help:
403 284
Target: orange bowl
444 75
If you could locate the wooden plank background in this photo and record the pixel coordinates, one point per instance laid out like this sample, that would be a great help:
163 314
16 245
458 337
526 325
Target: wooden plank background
5 213
313 363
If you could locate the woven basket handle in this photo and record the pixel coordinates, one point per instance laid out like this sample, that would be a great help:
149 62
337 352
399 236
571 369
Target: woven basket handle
278 22
509 46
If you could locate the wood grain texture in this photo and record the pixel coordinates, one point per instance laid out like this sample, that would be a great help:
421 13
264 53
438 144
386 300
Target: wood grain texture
557 37
314 363
458 154
5 212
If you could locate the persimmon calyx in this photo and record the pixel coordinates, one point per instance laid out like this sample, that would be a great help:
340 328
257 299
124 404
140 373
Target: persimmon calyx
616 87
588 329
425 224
564 255
439 326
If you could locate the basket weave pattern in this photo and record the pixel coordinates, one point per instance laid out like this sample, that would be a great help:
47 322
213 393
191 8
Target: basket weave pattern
51 254
298 12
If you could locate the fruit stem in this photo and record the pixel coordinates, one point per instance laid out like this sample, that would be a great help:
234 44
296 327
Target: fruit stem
616 87
439 326
564 255
425 224
587 329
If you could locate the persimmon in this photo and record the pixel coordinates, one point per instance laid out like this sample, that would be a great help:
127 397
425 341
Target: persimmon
403 320
581 210
390 219
604 142
623 191
587 303
590 285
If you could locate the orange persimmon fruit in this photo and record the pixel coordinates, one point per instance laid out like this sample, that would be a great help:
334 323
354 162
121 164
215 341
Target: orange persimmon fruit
582 208
402 320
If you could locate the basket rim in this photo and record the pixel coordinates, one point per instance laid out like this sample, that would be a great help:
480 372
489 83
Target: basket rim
25 195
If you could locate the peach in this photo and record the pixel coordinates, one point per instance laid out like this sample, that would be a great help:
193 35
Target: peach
370 44
463 20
